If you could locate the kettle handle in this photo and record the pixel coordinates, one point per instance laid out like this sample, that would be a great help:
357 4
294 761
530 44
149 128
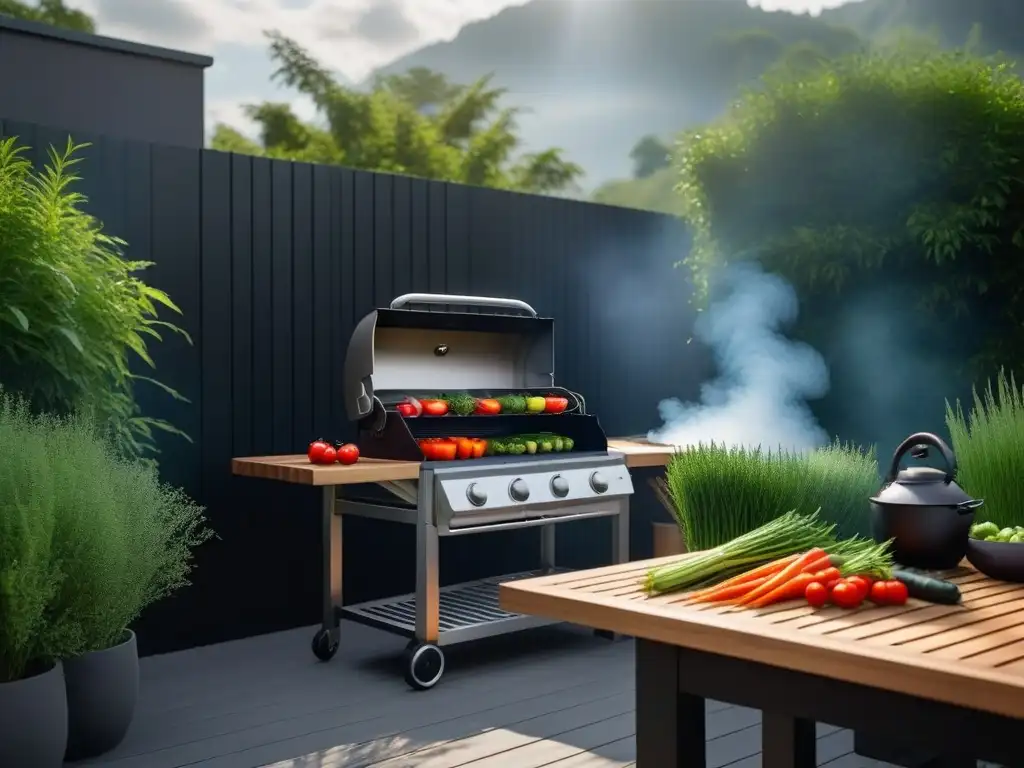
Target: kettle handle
923 438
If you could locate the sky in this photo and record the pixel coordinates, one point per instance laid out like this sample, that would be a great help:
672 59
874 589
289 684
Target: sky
351 36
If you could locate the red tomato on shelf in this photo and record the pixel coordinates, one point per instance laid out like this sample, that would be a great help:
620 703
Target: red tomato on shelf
407 410
434 407
555 404
348 453
317 452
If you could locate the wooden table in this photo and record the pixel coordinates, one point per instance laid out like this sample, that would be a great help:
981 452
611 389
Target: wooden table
950 678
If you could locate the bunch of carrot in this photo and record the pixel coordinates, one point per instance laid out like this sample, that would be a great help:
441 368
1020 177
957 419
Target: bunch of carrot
775 582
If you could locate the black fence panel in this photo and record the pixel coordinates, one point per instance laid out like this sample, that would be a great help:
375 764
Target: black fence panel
273 263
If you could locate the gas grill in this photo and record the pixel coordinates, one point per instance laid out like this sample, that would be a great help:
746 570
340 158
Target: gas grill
401 352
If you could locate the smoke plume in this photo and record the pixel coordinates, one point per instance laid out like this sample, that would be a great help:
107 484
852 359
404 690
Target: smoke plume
764 379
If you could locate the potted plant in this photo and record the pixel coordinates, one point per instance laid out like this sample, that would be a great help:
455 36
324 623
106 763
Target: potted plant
125 540
34 725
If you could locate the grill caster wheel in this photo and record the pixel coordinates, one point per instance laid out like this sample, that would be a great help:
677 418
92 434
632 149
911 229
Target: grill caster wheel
324 646
424 665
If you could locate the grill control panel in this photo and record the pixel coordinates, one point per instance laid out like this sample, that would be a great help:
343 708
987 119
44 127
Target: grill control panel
532 484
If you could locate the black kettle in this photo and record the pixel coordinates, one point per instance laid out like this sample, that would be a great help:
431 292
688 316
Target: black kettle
922 509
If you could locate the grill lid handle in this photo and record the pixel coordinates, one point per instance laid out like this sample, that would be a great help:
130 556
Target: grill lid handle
451 298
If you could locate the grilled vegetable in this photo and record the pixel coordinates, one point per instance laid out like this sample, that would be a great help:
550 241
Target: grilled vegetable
567 443
555 404
512 404
498 447
460 403
487 407
535 405
531 446
559 444
434 407
545 446
925 587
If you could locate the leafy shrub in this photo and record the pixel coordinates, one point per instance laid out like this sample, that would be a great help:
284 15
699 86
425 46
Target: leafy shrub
901 164
71 307
30 572
720 493
989 447
119 538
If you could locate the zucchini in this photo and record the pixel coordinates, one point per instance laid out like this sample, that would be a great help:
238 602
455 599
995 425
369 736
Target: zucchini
928 588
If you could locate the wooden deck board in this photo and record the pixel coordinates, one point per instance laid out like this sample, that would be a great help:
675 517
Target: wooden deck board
555 697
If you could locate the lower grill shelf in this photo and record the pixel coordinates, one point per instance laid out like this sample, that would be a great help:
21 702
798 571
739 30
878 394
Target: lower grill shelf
467 611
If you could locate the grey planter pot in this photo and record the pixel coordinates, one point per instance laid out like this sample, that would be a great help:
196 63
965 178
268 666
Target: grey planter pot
102 691
34 720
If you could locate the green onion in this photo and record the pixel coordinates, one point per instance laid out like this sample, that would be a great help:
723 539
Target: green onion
787 535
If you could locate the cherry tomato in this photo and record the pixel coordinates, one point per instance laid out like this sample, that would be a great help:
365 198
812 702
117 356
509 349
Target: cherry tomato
348 453
816 594
555 404
488 407
434 407
880 593
330 455
831 584
896 592
407 410
862 583
315 452
847 595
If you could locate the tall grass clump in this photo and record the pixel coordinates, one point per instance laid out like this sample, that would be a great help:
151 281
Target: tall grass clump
719 493
989 447
116 539
73 311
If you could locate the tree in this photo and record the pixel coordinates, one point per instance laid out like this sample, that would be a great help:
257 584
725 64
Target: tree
649 155
899 166
49 12
417 124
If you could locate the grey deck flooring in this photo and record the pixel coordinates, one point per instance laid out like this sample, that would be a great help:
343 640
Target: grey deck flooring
556 697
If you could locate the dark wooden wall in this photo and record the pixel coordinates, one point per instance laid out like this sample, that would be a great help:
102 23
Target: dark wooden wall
273 262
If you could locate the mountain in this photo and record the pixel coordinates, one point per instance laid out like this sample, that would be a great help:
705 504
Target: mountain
594 77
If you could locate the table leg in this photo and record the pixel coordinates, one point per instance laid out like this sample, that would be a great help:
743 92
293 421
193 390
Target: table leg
620 551
670 726
787 742
331 548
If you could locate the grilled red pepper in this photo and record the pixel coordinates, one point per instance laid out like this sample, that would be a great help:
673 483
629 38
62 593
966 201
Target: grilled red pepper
488 407
555 404
434 407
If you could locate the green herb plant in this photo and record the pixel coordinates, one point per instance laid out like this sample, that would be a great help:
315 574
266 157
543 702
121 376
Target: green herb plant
989 446
721 493
72 310
118 538
30 573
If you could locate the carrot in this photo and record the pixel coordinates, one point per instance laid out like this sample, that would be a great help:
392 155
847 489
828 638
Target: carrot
787 573
791 590
768 569
726 594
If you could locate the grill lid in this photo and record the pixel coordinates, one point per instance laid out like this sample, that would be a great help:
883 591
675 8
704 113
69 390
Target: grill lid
400 350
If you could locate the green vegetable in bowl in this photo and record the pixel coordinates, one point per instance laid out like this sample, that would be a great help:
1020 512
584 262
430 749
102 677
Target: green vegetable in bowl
989 531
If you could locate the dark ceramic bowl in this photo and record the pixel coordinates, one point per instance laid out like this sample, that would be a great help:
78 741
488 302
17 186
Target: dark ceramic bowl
997 559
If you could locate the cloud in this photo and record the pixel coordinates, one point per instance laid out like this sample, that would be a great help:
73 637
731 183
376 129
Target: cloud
385 23
166 22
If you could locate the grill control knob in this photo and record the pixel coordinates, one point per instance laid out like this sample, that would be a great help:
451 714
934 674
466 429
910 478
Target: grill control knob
598 482
477 496
559 486
519 490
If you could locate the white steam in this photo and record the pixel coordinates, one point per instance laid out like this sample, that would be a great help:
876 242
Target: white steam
760 396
